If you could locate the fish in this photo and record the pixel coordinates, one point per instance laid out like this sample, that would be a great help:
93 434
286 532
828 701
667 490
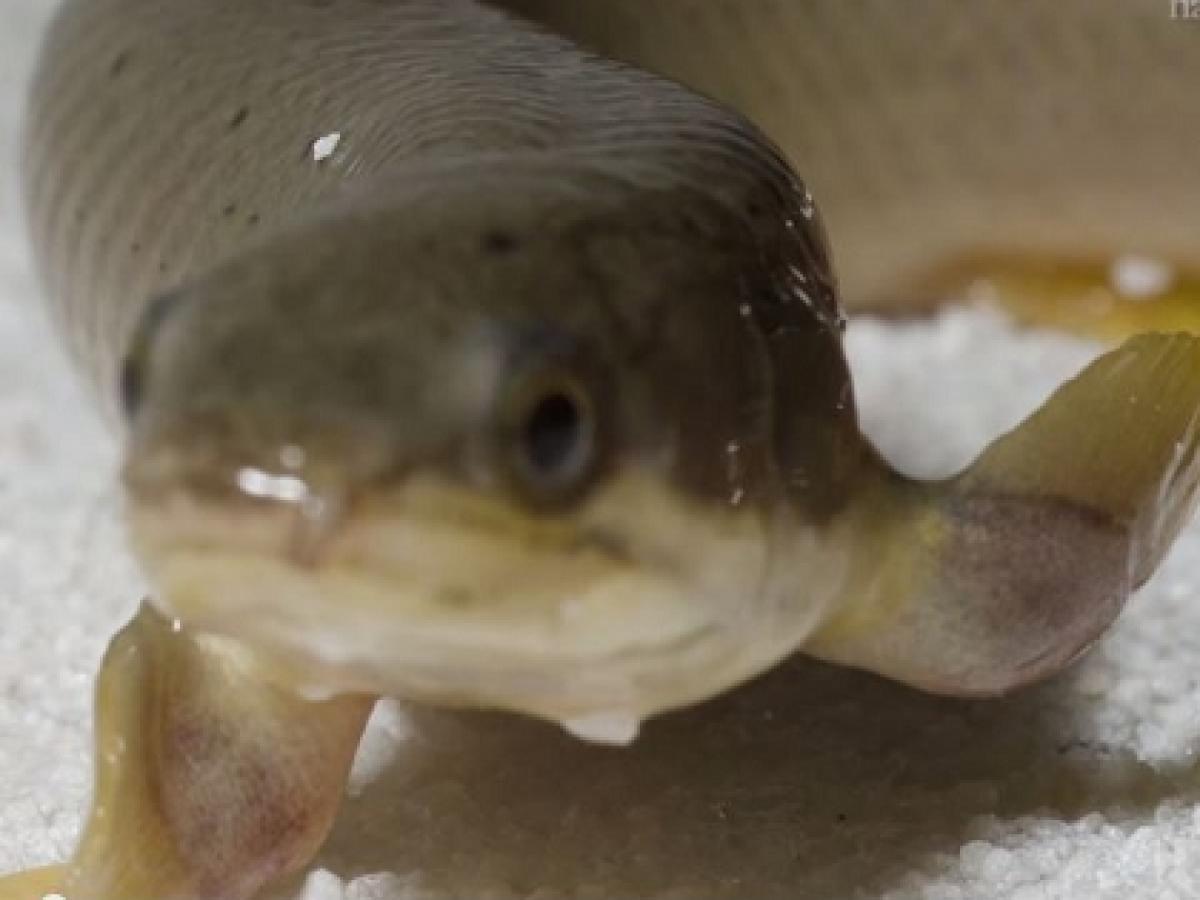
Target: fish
492 357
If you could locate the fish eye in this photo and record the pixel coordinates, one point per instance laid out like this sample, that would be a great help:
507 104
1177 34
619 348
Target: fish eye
552 437
556 435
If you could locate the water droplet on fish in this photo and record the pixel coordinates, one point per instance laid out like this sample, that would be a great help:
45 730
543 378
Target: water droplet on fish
807 207
323 885
257 483
325 147
616 729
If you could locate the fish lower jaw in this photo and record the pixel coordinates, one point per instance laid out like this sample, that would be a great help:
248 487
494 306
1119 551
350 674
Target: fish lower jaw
638 647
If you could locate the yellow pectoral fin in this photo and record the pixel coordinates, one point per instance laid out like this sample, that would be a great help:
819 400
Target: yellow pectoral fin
1006 573
211 782
1119 441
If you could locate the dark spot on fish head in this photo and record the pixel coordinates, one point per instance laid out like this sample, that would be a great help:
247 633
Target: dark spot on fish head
500 243
120 63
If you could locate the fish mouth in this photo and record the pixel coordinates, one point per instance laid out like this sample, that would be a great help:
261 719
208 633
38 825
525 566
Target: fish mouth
633 605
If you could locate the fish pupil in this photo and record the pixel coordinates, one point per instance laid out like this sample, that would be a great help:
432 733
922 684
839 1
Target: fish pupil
554 437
